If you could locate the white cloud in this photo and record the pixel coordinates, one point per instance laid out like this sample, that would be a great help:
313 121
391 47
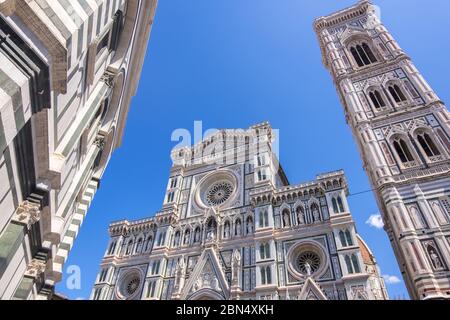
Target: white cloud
375 221
388 279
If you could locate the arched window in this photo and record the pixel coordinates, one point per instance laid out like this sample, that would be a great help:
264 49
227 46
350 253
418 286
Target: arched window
340 204
262 253
348 263
342 238
348 236
377 99
263 218
363 54
355 263
112 247
357 57
402 150
335 206
428 145
397 93
129 247
266 276
369 53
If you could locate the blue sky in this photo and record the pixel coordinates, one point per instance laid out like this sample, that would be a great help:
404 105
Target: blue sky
233 63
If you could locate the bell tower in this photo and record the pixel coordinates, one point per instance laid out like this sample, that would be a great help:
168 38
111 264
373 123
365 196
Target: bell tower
402 131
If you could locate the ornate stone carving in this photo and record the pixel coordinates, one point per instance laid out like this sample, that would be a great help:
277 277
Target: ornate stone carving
35 268
27 213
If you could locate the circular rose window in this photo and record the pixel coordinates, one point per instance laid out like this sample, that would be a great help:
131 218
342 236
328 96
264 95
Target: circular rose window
130 284
133 285
308 262
218 193
216 189
307 258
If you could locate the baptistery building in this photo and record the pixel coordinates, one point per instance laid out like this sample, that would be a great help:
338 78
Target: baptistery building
232 227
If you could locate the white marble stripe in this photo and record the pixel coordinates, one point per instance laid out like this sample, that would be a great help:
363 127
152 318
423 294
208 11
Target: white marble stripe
8 120
70 25
21 80
84 27
47 22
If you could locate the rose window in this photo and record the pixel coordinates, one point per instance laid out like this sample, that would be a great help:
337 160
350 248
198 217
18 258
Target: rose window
129 285
132 286
308 260
218 193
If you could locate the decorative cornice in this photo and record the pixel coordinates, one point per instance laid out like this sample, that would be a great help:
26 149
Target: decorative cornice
342 16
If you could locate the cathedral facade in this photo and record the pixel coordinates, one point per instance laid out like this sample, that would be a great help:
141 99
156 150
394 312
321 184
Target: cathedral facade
232 227
68 71
402 130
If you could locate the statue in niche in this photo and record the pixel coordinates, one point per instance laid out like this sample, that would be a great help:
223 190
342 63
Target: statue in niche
435 260
300 218
286 221
187 235
237 228
235 266
226 232
197 235
315 212
249 225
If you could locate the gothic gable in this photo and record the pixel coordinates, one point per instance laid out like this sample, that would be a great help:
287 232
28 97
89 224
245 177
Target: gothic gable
311 291
207 275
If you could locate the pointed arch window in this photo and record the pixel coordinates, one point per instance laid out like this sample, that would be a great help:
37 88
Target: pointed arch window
340 204
266 276
129 247
369 52
397 93
348 237
377 99
355 263
335 205
363 54
139 246
263 218
403 151
348 263
342 238
149 243
264 251
428 145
